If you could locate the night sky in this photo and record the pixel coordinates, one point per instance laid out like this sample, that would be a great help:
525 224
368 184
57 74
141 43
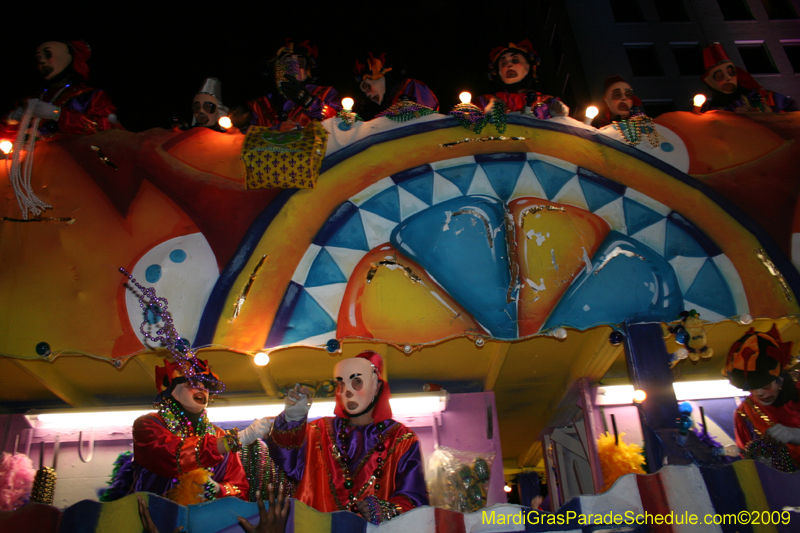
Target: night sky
152 60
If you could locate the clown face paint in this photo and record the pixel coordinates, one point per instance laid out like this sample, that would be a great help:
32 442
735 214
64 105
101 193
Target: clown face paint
206 110
374 89
52 58
512 67
768 394
723 78
618 98
356 384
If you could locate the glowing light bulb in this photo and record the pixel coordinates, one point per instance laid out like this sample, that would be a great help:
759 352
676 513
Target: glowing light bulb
261 359
699 100
6 146
465 97
507 488
347 104
560 333
639 396
225 122
591 112
746 319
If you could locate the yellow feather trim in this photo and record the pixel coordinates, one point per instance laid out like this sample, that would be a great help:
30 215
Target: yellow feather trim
618 460
190 488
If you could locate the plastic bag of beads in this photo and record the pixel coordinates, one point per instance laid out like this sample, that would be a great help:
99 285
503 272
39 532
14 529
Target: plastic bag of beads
458 480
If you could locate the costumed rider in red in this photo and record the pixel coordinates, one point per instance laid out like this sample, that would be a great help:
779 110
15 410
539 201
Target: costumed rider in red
67 104
733 89
619 102
515 66
377 84
296 102
767 422
177 452
361 459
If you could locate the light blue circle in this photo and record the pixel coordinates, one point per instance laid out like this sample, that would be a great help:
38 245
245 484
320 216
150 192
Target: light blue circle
153 273
177 256
344 126
667 147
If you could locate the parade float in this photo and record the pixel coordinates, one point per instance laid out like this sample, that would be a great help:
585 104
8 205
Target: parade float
508 275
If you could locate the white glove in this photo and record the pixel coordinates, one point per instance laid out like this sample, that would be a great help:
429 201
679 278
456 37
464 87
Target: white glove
558 108
784 434
296 404
45 110
257 430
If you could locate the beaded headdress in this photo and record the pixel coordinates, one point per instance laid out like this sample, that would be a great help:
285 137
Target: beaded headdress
382 410
373 70
713 55
185 361
756 359
523 47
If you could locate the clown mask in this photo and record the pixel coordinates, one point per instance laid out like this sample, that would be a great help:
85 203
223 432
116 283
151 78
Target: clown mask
767 394
356 385
374 89
722 78
207 110
193 400
618 98
512 67
52 58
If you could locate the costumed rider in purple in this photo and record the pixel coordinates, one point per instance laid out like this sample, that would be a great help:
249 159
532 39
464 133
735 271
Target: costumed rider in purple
383 90
67 104
207 107
296 101
361 459
733 89
513 68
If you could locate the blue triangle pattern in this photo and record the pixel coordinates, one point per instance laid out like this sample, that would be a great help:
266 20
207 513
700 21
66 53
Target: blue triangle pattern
596 195
503 176
350 234
324 271
710 290
550 176
385 203
678 242
460 176
420 186
308 320
638 216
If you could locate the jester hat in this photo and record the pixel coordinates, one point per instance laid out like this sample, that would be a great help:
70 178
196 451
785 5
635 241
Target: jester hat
523 47
170 374
757 359
305 49
381 410
373 70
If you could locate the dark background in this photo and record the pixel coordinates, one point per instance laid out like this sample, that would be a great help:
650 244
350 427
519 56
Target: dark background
153 57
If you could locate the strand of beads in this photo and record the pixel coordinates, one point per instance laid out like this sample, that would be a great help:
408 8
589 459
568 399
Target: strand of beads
168 336
633 128
340 454
498 116
470 116
779 454
405 110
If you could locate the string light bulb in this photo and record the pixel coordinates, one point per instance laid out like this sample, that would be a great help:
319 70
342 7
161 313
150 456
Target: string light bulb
347 104
699 100
591 112
6 146
507 488
465 97
261 359
225 122
639 396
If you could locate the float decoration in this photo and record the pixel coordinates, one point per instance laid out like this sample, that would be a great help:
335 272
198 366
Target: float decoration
405 110
690 334
287 160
